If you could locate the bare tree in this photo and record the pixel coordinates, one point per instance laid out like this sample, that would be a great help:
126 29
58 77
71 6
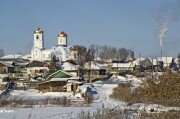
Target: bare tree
1 52
81 58
95 49
84 55
54 63
123 54
108 52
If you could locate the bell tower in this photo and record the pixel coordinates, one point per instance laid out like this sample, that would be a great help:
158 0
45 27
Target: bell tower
38 39
62 39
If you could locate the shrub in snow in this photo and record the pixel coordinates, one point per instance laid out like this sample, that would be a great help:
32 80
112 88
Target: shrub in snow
164 90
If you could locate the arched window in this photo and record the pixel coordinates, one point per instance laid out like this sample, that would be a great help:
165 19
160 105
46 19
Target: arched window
37 37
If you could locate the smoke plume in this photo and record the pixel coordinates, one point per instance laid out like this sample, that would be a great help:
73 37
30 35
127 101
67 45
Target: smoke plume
163 29
165 15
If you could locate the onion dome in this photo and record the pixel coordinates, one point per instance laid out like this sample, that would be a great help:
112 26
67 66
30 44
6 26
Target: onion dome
38 31
62 34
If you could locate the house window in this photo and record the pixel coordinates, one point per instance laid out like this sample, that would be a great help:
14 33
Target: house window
37 37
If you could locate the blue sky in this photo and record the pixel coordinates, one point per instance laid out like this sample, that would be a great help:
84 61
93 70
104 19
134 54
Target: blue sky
120 23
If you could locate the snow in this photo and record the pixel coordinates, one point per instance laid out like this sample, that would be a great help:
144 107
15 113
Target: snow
100 91
129 78
35 94
11 56
4 75
59 79
7 64
123 65
3 83
78 95
6 111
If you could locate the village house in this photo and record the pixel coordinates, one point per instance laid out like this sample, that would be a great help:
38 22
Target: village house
93 70
6 67
59 81
4 78
17 64
37 68
70 67
166 61
119 67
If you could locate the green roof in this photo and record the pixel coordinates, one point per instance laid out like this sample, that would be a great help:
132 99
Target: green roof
60 74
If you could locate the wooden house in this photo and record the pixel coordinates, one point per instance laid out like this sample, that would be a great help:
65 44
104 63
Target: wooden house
4 77
37 68
118 67
93 70
71 68
59 81
6 67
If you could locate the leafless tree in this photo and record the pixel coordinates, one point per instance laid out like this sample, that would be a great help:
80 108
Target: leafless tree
1 52
123 54
108 52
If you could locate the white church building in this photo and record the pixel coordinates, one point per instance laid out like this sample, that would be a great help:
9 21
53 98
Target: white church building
39 52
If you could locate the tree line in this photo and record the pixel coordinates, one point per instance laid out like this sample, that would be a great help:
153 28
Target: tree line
109 52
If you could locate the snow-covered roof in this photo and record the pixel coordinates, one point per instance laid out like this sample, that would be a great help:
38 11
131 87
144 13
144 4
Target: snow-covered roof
11 56
21 63
69 66
97 59
4 75
38 68
176 60
3 83
138 60
7 64
123 65
92 65
26 57
154 61
59 79
74 81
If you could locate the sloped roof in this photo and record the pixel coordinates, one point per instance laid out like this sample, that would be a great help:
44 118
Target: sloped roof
4 75
93 65
123 65
60 74
138 61
7 64
11 56
59 79
154 61
147 62
37 64
69 66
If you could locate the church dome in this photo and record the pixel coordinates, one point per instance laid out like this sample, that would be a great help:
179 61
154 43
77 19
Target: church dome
62 34
38 31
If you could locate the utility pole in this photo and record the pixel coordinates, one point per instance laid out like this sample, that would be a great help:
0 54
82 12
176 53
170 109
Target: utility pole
152 68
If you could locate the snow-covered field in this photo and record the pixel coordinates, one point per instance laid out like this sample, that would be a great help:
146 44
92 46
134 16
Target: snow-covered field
101 100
